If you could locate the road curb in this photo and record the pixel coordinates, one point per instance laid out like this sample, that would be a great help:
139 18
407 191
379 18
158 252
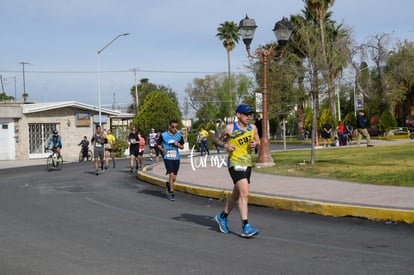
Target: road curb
297 205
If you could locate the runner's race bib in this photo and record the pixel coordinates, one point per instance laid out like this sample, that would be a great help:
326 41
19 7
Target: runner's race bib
171 154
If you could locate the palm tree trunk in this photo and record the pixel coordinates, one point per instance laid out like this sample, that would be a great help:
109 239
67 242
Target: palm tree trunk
229 75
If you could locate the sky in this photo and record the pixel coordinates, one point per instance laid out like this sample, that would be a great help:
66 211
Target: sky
170 42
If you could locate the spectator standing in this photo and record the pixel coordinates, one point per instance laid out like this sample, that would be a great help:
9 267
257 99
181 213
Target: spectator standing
349 131
202 139
326 133
341 131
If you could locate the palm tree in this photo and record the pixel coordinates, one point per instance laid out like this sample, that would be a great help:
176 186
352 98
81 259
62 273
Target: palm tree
319 9
228 32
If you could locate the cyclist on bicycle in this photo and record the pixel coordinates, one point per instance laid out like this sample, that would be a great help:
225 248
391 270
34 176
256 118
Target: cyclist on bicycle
55 142
85 147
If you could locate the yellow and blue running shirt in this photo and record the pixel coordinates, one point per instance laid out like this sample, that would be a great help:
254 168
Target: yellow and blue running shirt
241 156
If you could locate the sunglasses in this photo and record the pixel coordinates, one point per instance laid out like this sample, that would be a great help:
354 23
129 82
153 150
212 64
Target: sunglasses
174 126
247 114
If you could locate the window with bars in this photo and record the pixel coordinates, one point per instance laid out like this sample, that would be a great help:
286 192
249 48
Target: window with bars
38 136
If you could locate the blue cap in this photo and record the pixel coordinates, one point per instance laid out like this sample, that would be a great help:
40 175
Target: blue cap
244 109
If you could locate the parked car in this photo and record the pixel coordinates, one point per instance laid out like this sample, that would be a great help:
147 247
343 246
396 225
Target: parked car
374 132
409 122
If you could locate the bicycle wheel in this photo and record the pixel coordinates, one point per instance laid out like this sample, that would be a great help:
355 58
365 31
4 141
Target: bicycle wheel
89 155
80 156
49 164
59 163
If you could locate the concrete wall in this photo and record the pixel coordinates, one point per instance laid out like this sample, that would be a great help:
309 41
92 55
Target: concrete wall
66 124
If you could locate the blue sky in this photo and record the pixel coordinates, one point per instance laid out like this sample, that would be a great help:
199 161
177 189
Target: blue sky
170 41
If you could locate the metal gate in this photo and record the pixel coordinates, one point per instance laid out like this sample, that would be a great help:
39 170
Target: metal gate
38 137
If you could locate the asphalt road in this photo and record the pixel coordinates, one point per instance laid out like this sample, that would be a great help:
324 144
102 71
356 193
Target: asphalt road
73 222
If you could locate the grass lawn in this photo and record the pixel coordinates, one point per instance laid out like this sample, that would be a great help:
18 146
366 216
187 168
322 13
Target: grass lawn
383 165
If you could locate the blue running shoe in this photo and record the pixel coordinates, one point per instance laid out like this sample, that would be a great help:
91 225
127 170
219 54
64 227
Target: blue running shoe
171 197
248 231
222 222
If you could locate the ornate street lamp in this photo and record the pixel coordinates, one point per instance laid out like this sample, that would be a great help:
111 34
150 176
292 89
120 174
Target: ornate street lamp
282 30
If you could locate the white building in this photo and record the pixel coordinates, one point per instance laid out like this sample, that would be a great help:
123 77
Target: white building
25 128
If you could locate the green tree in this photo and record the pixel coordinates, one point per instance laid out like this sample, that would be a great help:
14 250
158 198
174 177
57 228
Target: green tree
208 96
156 112
386 120
5 97
326 116
145 88
401 74
228 32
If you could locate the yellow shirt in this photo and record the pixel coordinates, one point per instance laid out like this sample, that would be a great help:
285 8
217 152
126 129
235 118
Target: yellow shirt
241 156
111 141
202 135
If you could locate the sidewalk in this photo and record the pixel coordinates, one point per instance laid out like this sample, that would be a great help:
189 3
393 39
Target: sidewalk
318 196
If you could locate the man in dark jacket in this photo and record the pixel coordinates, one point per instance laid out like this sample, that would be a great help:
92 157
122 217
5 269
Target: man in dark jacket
362 128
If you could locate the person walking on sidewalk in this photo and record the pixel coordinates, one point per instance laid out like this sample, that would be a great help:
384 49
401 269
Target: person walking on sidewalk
241 138
168 144
362 128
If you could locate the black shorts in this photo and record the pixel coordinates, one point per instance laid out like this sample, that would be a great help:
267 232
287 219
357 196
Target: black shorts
133 152
172 166
141 153
326 135
238 175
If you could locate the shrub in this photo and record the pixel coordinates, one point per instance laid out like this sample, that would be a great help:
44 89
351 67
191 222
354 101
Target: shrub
119 148
386 120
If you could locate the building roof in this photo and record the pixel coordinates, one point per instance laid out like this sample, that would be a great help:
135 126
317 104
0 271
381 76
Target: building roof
45 106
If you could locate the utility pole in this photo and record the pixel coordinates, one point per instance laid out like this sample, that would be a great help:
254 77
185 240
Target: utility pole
136 88
24 80
2 85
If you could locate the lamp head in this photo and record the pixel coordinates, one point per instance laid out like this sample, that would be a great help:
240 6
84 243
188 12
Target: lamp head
247 27
283 30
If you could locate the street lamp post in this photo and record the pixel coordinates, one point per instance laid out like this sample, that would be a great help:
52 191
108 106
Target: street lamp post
282 30
99 74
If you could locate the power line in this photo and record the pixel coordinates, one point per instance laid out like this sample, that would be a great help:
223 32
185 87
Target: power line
116 71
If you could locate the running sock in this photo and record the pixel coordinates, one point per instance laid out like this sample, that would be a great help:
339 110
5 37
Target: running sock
245 222
223 215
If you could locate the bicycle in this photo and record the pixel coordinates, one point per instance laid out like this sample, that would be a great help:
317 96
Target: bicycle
54 161
88 157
